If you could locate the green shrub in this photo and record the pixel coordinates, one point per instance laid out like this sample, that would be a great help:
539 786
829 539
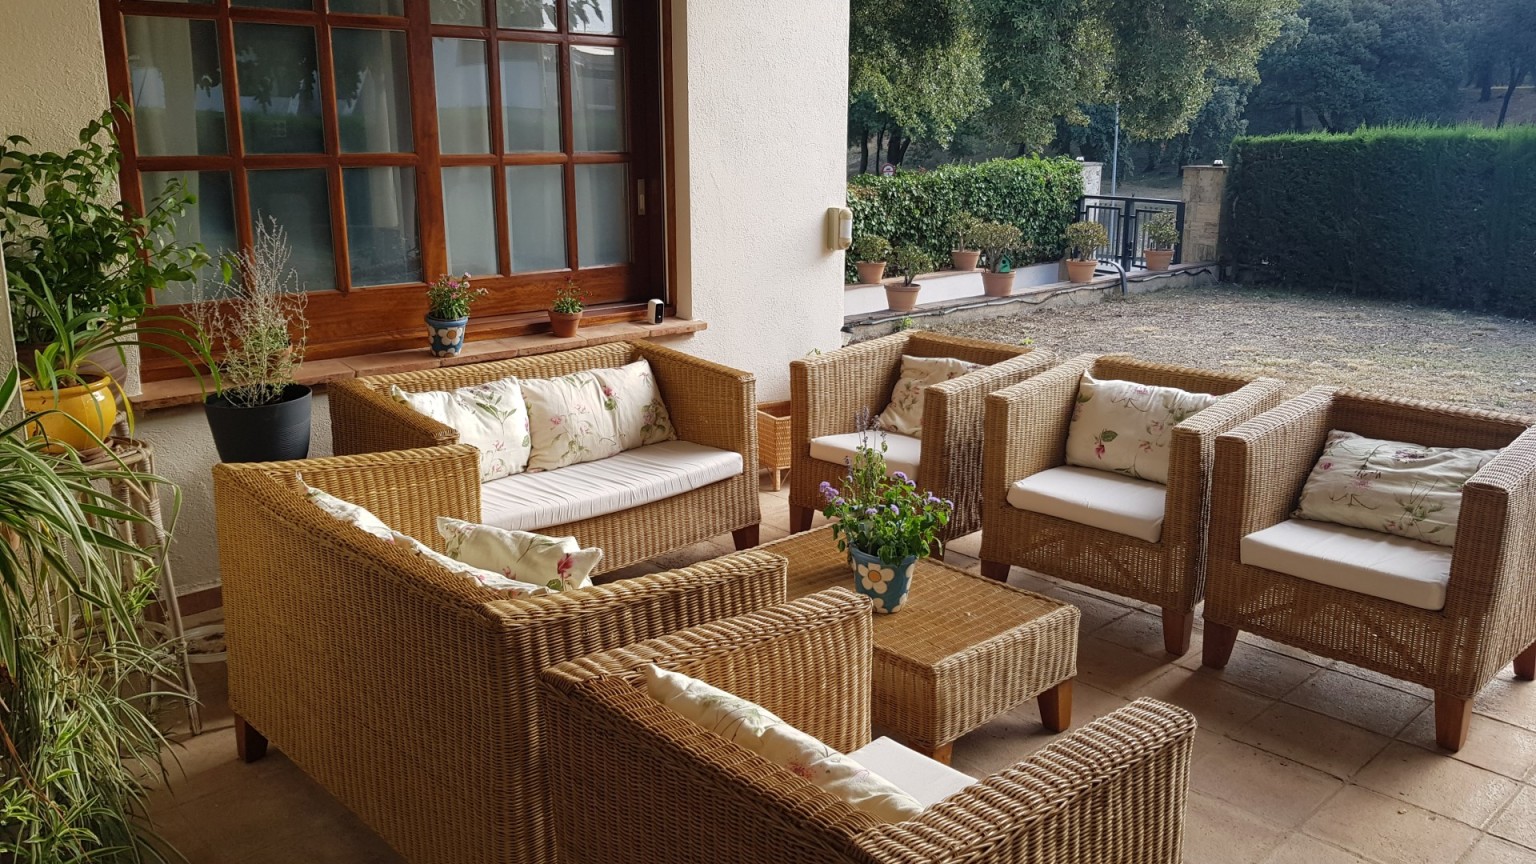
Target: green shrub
869 248
1434 215
911 262
1163 230
1083 239
997 240
963 226
1039 196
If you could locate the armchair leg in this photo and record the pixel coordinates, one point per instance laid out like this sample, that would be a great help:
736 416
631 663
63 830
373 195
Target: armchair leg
250 745
800 518
1525 664
1178 628
1056 707
1453 715
995 570
1219 639
746 537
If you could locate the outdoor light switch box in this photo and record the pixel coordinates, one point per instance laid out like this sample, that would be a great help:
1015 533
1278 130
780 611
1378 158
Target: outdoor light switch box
654 309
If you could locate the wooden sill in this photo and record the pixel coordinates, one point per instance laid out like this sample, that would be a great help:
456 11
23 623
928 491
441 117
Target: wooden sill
185 391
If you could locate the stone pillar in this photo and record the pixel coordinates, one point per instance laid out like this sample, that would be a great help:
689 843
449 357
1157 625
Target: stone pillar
1093 177
1204 188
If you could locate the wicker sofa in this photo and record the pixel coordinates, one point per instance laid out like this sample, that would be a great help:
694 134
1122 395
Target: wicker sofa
407 692
713 408
662 790
828 391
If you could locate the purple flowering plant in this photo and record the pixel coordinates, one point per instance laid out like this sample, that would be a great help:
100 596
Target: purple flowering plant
882 514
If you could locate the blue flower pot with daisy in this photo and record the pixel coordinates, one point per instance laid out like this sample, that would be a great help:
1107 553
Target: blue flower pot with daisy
447 335
448 302
884 522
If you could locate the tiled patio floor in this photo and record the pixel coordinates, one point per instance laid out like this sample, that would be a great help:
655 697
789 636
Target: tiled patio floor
1298 761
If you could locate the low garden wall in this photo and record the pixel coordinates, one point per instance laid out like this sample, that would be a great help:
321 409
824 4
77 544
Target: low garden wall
1434 215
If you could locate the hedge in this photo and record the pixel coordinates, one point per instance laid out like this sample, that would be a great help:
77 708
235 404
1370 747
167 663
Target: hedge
914 208
1441 216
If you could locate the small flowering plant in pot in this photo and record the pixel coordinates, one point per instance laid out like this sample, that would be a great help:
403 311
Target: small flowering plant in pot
884 523
1162 237
448 302
870 252
565 312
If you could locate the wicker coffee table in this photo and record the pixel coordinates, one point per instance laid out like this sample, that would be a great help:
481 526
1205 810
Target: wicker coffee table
961 651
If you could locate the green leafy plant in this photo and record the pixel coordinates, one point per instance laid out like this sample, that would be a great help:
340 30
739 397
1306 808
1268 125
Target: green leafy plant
997 241
963 226
449 299
258 332
568 299
911 262
905 323
65 227
1084 239
78 740
885 516
1163 230
869 249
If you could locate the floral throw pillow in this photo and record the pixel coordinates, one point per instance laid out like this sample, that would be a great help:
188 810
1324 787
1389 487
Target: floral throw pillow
757 729
363 518
631 395
904 415
557 563
491 416
1390 486
570 421
1126 427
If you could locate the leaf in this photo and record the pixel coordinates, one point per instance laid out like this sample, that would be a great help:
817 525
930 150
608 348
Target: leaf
1108 435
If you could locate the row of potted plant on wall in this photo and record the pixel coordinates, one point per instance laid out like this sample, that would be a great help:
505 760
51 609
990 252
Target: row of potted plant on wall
991 246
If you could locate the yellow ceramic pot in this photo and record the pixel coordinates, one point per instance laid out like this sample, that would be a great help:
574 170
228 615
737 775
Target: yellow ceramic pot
92 404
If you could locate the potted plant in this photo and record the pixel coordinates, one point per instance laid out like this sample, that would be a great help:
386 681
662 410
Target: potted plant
1162 236
966 251
1084 240
565 312
870 252
448 302
257 412
909 262
997 240
884 523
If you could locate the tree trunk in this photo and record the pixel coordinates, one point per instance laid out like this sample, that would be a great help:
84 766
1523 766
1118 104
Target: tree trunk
1296 120
1484 82
864 150
1154 149
1515 77
899 145
879 143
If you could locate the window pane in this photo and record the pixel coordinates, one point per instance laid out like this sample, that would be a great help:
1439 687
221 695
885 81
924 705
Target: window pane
602 214
597 97
369 7
210 221
381 225
373 91
526 14
178 87
279 93
536 215
470 222
300 201
463 95
276 4
470 12
530 96
597 16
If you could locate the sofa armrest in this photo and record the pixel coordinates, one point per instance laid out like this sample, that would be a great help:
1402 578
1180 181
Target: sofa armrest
1057 804
365 419
828 391
1026 428
710 404
1261 465
1192 452
1495 555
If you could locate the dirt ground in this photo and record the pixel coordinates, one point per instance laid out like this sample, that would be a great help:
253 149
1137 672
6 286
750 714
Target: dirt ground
1305 340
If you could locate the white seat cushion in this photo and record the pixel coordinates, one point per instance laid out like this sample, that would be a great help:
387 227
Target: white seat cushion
903 452
1366 562
534 500
927 780
1094 498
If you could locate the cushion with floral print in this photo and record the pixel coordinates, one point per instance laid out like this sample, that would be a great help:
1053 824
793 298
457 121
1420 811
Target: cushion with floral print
490 416
570 421
557 563
631 395
905 413
1126 427
757 729
1390 486
361 517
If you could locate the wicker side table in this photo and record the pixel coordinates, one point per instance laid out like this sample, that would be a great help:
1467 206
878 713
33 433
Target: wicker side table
773 440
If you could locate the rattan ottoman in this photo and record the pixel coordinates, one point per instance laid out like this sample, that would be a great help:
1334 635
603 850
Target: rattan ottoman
961 651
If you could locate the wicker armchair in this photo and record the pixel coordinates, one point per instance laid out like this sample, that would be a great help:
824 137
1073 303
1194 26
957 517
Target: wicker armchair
828 391
664 791
1490 600
410 694
710 404
1027 432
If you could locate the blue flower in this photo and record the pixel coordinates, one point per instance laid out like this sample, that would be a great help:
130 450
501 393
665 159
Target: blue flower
900 475
869 511
895 511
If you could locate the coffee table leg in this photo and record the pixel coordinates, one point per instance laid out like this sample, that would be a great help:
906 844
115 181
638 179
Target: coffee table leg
1056 707
943 754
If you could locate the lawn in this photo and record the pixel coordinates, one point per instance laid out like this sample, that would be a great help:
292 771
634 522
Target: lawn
1394 349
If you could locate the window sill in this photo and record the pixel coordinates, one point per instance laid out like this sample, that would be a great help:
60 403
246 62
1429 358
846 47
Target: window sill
185 391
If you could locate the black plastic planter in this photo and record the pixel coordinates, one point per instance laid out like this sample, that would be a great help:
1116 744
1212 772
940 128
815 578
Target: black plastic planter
265 433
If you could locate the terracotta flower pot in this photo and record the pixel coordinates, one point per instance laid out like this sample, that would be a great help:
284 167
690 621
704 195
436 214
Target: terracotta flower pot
902 298
997 284
1081 271
564 324
91 404
1159 259
964 259
870 272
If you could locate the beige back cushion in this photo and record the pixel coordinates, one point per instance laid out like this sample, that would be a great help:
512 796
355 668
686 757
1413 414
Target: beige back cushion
1126 427
586 416
491 416
905 413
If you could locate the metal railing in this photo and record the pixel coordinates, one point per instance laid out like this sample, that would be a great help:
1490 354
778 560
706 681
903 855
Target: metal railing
1125 218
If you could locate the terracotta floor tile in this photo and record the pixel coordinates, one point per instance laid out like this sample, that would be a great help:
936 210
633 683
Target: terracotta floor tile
1143 631
1111 667
1383 679
1491 744
1301 849
1265 672
1277 790
1220 707
1509 700
1492 850
1518 821
1376 707
1387 830
1318 741
1216 832
1456 789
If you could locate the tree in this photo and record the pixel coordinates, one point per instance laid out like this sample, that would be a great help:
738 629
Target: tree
1505 38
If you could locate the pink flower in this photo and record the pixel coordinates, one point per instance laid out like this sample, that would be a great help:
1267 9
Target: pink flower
1098 449
564 567
1325 465
555 421
607 391
800 769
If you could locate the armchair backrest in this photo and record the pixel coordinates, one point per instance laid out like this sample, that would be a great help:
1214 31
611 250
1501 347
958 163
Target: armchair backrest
1429 424
1123 367
924 344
